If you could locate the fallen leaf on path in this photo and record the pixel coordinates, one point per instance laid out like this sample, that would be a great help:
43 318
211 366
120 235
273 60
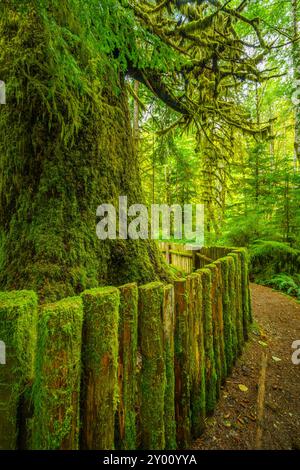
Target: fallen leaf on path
276 359
227 424
262 343
243 388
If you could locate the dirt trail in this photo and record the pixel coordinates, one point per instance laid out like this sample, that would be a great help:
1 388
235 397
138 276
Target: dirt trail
234 424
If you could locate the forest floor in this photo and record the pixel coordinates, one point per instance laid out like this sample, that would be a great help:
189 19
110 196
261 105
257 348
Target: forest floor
234 423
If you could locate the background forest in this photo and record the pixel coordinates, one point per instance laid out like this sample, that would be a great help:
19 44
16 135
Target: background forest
248 182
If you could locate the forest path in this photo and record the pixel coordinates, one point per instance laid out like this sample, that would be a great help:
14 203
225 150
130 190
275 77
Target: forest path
234 424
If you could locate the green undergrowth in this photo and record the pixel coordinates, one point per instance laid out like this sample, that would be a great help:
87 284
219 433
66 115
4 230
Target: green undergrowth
276 265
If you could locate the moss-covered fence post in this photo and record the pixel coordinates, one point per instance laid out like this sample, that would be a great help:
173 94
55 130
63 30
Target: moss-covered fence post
153 374
197 355
182 365
227 314
18 322
210 368
220 316
128 331
57 382
169 331
232 306
238 302
246 298
216 326
99 396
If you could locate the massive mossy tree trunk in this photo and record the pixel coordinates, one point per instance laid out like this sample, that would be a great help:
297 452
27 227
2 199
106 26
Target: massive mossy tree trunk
65 148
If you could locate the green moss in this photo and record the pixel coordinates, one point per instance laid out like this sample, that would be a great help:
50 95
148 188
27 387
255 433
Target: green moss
58 369
18 321
153 373
128 342
99 397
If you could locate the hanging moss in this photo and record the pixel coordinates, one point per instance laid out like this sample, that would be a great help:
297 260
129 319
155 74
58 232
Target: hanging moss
128 330
57 384
99 396
210 367
182 365
169 331
153 373
194 295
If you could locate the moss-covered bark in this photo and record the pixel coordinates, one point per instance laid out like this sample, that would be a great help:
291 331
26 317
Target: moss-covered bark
18 319
128 342
99 396
153 373
66 147
57 382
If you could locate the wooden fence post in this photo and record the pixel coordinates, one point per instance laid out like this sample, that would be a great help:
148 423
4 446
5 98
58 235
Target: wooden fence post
153 375
220 316
210 368
57 383
227 314
18 321
246 300
233 305
182 366
128 332
238 300
168 255
197 356
100 367
216 326
169 331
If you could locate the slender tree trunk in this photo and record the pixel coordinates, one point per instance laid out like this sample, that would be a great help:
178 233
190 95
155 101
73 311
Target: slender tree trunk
296 61
56 169
136 113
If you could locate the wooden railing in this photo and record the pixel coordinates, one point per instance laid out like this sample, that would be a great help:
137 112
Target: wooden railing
189 260
127 368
